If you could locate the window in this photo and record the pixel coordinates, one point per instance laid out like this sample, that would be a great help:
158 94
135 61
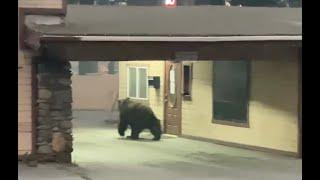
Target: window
137 82
74 67
187 81
86 67
230 91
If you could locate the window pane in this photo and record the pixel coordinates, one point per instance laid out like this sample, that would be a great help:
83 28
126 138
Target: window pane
88 67
172 87
230 90
142 83
132 82
74 67
186 79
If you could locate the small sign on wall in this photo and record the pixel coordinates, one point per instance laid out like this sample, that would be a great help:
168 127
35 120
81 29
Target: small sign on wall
154 81
186 55
172 81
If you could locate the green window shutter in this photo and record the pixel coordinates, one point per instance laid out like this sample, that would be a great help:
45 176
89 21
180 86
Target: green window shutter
231 90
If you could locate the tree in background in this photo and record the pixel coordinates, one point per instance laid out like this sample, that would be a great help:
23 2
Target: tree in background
295 3
267 3
209 2
113 67
73 1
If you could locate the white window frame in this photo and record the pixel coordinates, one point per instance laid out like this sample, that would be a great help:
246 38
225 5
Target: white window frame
137 83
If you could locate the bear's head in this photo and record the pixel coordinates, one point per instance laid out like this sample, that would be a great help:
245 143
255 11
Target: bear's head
122 103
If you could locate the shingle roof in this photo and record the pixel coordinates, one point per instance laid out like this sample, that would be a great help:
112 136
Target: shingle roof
179 21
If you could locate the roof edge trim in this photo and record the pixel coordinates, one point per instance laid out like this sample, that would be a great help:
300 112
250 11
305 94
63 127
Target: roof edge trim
172 38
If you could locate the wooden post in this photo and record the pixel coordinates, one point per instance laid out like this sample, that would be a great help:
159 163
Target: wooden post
300 104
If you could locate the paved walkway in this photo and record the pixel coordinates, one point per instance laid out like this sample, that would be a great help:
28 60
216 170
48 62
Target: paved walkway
48 171
102 155
105 156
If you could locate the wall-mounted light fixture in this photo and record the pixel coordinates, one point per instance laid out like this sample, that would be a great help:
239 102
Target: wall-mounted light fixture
154 81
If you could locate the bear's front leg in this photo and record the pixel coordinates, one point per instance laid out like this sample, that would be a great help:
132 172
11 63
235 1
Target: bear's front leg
122 127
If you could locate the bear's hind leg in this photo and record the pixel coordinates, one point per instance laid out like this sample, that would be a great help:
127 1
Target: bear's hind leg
156 132
134 134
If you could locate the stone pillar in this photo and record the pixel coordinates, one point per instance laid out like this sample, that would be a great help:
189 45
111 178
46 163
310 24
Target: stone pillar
54 126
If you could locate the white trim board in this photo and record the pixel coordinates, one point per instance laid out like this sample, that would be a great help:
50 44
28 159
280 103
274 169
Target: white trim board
179 39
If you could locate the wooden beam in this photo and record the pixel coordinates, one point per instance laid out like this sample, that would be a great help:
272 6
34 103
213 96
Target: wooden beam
300 104
125 51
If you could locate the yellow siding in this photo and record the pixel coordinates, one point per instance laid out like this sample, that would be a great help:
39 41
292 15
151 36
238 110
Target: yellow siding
272 108
24 103
155 96
55 4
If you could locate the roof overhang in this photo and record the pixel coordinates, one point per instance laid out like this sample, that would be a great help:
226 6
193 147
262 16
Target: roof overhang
125 48
47 38
125 33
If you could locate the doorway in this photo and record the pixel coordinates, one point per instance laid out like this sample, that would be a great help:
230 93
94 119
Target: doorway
172 97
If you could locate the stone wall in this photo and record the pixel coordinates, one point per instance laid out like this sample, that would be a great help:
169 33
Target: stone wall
54 116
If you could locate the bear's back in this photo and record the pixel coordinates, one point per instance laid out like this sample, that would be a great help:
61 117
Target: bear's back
137 111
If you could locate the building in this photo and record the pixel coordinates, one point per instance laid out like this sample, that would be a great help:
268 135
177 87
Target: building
265 91
95 85
249 101
269 39
27 71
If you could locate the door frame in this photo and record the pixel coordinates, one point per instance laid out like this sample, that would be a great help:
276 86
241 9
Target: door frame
164 97
300 103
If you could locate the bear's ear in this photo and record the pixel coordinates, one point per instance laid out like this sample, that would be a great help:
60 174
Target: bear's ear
120 102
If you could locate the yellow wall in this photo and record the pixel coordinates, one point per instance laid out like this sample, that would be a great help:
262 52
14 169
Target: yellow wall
272 108
102 97
56 4
24 103
25 81
155 96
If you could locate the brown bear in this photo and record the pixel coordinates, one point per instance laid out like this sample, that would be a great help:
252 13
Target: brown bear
138 117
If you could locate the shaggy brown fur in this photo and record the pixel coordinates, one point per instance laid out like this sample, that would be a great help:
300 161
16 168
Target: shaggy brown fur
138 117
